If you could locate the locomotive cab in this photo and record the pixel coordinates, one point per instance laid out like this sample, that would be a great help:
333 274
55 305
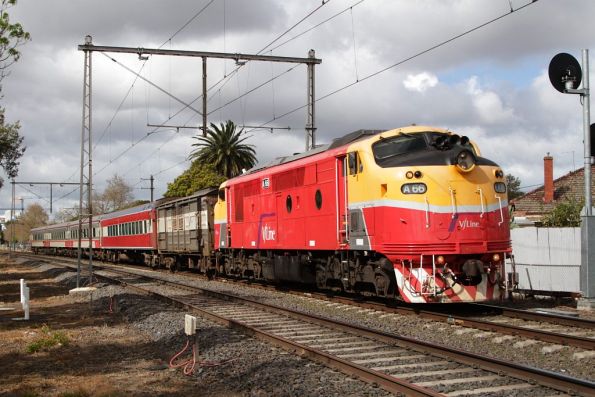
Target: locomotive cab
437 211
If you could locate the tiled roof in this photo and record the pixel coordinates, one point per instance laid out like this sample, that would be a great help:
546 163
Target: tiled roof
566 188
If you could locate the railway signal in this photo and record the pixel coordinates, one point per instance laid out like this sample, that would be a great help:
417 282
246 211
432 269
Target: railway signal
566 75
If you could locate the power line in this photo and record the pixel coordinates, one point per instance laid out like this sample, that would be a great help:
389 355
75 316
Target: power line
152 84
253 89
402 61
324 2
187 23
317 25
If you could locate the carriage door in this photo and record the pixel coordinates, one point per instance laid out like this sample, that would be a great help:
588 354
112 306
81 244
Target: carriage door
341 200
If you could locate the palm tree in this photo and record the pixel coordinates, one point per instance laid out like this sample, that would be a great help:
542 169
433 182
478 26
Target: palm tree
222 146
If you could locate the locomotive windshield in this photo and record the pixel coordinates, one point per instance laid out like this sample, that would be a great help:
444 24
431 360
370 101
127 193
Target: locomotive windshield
428 148
398 145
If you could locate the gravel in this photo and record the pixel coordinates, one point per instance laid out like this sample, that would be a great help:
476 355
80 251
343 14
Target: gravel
566 360
246 366
230 363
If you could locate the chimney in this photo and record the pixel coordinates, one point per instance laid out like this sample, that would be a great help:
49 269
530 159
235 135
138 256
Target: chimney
548 179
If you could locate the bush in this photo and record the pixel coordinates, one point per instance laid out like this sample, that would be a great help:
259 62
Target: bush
566 214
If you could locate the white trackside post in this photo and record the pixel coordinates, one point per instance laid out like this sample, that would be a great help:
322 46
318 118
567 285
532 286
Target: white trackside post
25 298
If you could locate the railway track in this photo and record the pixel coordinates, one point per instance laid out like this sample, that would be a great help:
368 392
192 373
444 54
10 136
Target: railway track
397 364
545 327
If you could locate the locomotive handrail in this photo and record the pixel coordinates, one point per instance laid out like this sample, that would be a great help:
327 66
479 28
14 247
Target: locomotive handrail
427 213
452 201
501 212
481 202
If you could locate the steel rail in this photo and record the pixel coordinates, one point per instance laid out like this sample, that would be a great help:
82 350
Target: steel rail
389 383
484 325
533 375
539 316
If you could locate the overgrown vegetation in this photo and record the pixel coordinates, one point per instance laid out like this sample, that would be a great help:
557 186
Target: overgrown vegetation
565 214
47 340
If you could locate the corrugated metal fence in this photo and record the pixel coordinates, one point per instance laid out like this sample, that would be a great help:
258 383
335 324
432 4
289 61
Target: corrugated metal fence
547 259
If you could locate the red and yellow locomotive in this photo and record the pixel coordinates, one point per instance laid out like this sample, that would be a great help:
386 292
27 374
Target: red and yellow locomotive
413 213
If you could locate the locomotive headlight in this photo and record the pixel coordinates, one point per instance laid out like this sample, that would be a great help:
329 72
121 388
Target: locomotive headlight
465 161
499 174
440 260
496 258
500 187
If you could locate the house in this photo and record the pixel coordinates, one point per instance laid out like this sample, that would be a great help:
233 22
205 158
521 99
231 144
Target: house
532 206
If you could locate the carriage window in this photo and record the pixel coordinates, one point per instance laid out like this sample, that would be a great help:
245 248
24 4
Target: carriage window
222 194
288 203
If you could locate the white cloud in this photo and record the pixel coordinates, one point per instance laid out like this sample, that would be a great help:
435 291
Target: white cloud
420 82
488 104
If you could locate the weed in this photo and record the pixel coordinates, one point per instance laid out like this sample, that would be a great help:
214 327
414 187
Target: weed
48 340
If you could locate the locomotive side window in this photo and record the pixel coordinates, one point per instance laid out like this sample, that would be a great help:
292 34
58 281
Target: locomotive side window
318 199
288 203
354 163
222 194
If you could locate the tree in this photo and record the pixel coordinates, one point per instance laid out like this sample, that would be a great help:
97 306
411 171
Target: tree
198 176
565 214
224 148
34 216
117 195
12 36
514 186
11 148
19 229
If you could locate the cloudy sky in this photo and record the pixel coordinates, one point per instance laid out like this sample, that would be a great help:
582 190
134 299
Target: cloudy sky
383 66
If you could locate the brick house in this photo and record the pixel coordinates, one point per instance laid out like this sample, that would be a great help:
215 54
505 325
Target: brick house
532 206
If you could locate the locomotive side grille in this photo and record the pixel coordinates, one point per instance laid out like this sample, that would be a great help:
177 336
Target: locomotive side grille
499 245
444 248
419 248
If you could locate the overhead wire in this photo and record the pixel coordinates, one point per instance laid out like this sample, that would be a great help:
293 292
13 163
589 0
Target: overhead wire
152 84
324 2
221 80
378 72
317 25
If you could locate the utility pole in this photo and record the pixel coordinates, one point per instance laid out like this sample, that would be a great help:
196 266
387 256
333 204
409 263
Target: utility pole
310 61
10 248
152 188
86 154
